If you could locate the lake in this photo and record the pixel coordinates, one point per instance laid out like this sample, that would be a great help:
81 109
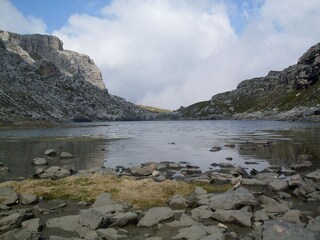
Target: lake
128 144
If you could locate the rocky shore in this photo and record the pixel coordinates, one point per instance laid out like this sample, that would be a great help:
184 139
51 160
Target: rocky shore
165 200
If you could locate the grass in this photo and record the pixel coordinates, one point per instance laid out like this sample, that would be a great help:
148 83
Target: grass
154 109
142 194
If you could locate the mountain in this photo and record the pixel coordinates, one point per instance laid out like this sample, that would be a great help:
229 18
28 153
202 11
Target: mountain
40 81
291 94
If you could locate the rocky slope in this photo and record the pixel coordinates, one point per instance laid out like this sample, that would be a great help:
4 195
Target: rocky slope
291 94
40 81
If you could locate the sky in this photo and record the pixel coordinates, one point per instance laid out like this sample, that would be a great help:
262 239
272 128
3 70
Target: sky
172 53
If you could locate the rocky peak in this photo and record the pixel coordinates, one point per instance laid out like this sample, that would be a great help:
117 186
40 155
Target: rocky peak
34 48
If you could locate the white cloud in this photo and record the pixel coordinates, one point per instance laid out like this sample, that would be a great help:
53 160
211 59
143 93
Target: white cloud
169 53
11 19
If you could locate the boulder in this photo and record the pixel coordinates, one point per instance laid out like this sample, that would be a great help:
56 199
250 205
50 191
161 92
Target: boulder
252 182
67 223
293 216
301 165
314 224
242 216
184 221
54 172
143 171
9 196
66 155
278 185
260 216
314 175
232 199
155 215
50 152
201 213
39 161
9 221
27 199
281 230
91 218
32 225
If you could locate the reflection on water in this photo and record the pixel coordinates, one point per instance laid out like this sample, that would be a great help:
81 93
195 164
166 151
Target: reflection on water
132 143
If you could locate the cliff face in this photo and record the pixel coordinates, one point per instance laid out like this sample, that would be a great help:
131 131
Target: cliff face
36 47
291 94
41 81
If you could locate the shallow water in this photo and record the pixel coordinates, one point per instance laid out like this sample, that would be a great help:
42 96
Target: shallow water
131 143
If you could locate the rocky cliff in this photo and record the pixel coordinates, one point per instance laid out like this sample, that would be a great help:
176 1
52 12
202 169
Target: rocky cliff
39 80
291 94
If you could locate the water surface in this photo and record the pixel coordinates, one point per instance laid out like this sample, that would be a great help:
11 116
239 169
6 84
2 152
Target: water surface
132 143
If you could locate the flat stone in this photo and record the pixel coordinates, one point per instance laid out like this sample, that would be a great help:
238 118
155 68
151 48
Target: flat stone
155 216
185 221
27 199
91 218
266 177
301 165
314 175
103 199
232 199
199 191
295 180
32 225
67 223
109 210
281 230
260 216
250 182
10 221
9 195
241 216
39 161
144 171
110 234
278 185
65 155
50 152
191 233
201 213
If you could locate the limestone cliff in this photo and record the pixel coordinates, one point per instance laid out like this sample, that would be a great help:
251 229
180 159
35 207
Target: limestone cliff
39 81
291 94
35 47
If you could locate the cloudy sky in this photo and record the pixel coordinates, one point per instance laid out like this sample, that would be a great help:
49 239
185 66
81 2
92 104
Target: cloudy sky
172 53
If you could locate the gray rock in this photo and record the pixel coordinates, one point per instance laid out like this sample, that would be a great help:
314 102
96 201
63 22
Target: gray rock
65 155
32 225
91 218
215 149
301 165
201 213
280 230
144 171
111 209
184 221
278 185
27 199
272 206
50 152
155 215
260 216
9 195
110 234
20 234
103 199
66 223
179 201
53 237
314 175
11 220
241 216
295 180
191 233
122 219
250 182
293 216
39 161
266 177
314 224
200 191
232 199
55 172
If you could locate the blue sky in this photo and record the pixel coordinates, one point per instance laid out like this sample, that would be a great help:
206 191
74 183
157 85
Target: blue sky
172 53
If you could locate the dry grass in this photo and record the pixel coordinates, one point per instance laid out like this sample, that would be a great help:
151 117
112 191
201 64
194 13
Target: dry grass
141 193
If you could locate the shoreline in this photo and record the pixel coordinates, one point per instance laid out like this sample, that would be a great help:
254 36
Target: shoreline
224 204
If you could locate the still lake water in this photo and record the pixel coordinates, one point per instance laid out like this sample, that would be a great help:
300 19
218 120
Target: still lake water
129 144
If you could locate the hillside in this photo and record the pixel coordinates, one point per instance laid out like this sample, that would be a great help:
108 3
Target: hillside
40 81
291 94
